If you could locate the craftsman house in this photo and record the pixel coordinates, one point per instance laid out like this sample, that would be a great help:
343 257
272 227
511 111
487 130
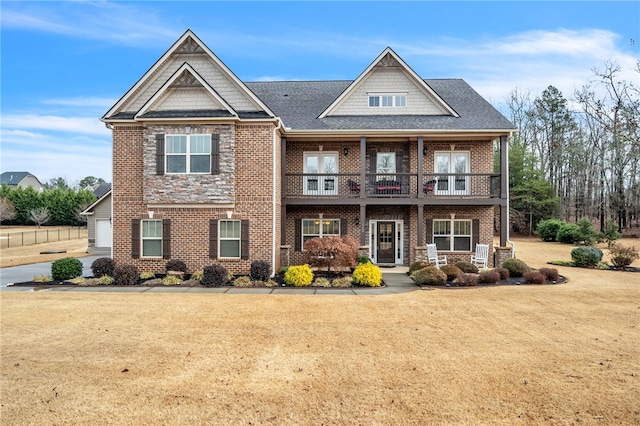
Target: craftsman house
208 168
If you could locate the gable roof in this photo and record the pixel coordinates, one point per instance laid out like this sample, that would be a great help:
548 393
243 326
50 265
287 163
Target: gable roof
388 58
89 210
14 178
102 189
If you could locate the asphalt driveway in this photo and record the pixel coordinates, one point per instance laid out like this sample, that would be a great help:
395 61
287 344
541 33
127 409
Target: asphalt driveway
16 274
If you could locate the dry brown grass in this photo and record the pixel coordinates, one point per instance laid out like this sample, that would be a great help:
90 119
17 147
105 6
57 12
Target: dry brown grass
563 354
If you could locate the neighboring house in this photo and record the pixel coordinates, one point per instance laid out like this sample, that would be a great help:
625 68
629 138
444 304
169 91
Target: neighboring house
99 221
208 168
20 180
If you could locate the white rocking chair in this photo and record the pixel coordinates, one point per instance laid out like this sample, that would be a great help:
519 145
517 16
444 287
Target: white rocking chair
481 258
432 254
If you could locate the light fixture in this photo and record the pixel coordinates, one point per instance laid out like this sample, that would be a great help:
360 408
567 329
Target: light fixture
187 129
424 151
345 150
357 221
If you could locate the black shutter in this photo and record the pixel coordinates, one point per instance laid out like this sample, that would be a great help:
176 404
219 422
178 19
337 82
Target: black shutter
213 238
429 229
135 238
160 154
343 227
166 238
475 233
297 235
215 154
244 239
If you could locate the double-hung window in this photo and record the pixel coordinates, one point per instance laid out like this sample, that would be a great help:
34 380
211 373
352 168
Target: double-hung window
188 153
151 238
229 239
318 228
387 100
452 235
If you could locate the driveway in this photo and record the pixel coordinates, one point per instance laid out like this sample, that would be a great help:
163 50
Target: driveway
16 274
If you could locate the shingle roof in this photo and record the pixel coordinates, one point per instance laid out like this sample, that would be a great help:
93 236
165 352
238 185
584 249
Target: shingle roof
299 103
13 178
102 189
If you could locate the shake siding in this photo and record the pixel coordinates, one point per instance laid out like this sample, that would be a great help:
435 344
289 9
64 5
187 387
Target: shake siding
191 98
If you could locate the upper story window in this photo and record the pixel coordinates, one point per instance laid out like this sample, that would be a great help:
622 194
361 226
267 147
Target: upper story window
188 153
387 100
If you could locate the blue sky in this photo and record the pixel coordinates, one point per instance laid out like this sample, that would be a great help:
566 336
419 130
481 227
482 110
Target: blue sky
64 64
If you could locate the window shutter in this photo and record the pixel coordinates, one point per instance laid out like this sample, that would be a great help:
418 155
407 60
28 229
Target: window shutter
297 235
215 154
475 233
343 227
135 238
429 229
166 238
244 239
160 154
213 239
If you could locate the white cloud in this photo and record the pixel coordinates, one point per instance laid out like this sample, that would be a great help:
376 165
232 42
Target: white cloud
81 125
84 102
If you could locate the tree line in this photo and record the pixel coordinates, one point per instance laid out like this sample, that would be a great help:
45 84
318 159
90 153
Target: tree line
577 158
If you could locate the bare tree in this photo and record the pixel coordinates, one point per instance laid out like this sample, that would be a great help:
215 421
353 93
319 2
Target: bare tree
39 215
7 210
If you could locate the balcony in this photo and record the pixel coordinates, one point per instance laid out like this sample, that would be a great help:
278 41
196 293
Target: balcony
397 185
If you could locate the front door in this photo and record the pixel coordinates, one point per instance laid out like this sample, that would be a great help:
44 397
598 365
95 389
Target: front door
386 242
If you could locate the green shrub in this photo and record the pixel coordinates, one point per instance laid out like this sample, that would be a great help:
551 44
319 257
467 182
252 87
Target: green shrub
299 276
586 256
126 275
171 280
548 229
430 276
363 259
342 282
105 280
611 233
467 267
416 266
176 266
568 234
260 270
489 277
504 273
322 282
66 268
534 277
42 279
367 274
586 234
215 275
146 275
622 256
467 280
197 275
103 266
452 271
283 270
243 282
516 267
550 274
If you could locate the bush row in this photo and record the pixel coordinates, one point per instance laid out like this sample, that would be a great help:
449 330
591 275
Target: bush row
582 232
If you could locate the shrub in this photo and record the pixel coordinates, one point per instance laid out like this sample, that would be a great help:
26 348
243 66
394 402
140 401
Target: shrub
176 266
363 259
534 277
586 256
342 282
489 277
622 256
214 275
504 273
299 276
586 234
197 275
367 274
260 270
467 280
171 280
416 266
550 274
126 275
322 282
611 233
452 271
516 267
242 282
103 266
78 280
568 233
332 251
42 279
66 268
105 280
146 275
270 283
548 229
467 267
430 276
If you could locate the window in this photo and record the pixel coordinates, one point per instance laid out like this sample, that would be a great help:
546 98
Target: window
318 228
188 153
452 235
385 165
317 165
229 238
452 168
152 238
387 100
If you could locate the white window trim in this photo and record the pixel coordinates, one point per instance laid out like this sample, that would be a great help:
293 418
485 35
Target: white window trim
322 234
239 239
399 240
394 100
452 234
187 155
143 238
322 180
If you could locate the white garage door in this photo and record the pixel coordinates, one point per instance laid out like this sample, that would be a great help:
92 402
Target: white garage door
103 233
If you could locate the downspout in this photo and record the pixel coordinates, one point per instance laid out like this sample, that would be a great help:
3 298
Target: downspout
513 246
273 200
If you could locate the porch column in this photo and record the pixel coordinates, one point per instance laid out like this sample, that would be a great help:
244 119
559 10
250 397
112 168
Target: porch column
504 190
363 224
363 169
420 225
420 169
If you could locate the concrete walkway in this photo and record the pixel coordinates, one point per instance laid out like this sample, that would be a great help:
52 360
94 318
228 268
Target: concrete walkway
396 280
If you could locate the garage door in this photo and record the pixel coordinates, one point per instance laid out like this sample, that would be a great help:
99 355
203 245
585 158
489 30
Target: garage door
103 233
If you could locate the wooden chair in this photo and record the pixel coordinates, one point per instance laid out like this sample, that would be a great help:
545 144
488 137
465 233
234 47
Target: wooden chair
481 258
434 258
